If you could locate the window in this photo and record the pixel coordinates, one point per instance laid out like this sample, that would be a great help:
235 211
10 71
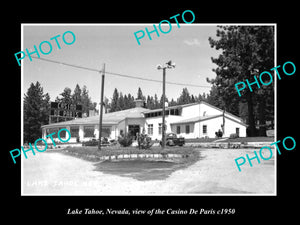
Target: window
237 131
62 134
105 132
88 131
74 131
160 128
178 129
150 129
52 130
187 129
204 129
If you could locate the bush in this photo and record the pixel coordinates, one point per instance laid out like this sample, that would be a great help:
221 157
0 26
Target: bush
234 135
144 141
125 140
219 134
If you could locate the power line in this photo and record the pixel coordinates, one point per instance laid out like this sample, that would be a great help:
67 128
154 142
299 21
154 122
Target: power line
67 64
153 80
118 74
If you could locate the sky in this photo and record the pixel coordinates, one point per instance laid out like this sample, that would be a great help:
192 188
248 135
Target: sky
116 46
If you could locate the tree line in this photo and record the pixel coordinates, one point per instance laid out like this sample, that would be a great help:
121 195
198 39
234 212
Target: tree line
37 107
120 101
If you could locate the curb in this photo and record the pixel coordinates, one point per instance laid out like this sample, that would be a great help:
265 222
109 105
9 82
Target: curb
229 145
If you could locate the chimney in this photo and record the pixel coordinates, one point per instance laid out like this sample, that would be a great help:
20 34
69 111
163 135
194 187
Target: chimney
139 103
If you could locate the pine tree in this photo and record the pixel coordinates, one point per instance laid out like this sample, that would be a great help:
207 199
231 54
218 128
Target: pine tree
185 97
150 102
76 96
156 103
65 96
115 101
121 103
246 51
173 102
140 94
107 105
161 101
126 102
131 101
36 112
86 101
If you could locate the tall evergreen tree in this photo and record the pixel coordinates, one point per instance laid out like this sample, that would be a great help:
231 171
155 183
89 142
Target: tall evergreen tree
76 96
185 97
115 101
126 102
150 102
121 102
246 51
86 101
140 94
161 101
36 112
131 103
156 102
66 96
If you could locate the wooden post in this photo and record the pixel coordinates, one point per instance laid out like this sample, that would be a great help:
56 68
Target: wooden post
163 139
101 106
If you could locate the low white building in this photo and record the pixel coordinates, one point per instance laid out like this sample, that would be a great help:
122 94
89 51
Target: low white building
195 120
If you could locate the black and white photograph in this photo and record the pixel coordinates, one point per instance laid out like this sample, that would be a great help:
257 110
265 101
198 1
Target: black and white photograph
185 79
149 112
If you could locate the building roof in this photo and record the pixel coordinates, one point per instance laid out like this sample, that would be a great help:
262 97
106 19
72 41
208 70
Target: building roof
196 119
108 118
191 104
171 107
203 118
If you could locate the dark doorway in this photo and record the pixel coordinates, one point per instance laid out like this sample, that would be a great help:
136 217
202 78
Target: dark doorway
133 130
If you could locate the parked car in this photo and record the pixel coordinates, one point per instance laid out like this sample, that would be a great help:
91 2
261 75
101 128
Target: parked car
173 140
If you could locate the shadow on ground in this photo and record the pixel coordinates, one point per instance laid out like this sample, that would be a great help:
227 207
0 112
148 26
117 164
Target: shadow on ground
142 170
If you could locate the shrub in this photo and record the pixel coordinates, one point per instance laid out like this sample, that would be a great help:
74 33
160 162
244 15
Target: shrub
219 134
144 141
125 140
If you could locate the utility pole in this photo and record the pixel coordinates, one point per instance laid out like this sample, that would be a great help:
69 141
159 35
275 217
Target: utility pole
163 138
101 106
168 65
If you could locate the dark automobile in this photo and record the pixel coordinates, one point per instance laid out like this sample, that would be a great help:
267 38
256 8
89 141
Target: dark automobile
173 140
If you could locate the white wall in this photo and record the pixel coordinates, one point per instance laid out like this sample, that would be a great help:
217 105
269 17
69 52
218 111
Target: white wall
193 130
230 128
213 125
190 112
156 121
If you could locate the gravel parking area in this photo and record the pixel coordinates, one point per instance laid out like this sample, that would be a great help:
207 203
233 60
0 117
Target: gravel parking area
53 173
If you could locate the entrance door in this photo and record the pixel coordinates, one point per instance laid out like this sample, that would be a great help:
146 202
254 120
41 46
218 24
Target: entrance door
133 129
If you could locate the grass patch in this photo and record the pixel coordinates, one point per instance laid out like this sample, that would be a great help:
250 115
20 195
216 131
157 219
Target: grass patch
92 153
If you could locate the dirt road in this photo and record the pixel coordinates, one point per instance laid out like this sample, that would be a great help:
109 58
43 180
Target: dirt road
215 173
